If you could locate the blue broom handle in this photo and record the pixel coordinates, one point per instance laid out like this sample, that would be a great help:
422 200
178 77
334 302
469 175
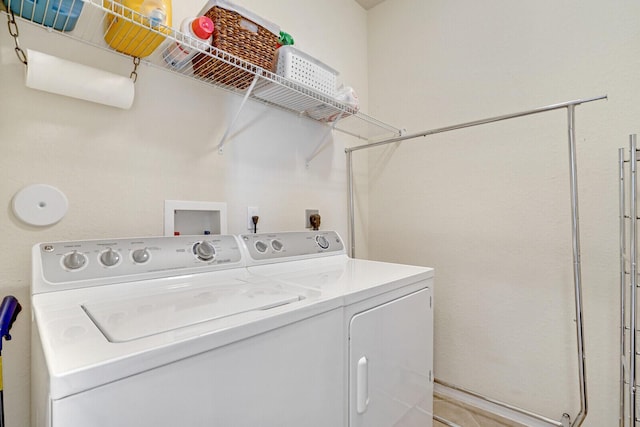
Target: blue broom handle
9 310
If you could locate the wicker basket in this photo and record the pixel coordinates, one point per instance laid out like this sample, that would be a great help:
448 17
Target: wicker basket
234 34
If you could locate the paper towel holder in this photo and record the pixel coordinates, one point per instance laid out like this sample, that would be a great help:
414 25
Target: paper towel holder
40 205
12 25
109 89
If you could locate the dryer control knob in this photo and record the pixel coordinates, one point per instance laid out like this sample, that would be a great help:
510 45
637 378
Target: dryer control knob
277 245
204 250
109 257
74 260
261 246
322 242
140 256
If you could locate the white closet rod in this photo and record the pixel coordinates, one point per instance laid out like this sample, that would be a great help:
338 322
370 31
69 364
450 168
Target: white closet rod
577 276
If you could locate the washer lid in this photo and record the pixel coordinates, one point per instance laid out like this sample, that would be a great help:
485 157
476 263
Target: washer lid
128 319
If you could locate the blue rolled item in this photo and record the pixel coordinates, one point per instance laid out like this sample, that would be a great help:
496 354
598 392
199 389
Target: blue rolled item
61 15
9 310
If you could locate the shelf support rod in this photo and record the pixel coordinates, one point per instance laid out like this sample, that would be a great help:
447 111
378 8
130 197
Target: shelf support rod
235 118
322 144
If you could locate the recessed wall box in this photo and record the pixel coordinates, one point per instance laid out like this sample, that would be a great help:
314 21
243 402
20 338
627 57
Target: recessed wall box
193 218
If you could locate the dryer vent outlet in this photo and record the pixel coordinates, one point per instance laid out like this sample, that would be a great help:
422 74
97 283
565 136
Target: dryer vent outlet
307 216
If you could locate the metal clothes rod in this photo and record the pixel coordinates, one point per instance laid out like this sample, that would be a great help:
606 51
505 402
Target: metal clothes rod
628 353
476 123
623 283
350 150
499 403
445 421
577 276
633 275
351 207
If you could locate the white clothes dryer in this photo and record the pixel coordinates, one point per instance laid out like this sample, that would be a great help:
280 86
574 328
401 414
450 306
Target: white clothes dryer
173 331
387 322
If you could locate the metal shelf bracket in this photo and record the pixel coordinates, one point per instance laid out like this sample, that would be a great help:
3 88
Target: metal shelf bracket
323 141
237 115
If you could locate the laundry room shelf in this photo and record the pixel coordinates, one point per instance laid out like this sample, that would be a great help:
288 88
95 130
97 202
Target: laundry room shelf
237 75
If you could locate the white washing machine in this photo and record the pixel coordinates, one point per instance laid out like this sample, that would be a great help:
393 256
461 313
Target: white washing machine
173 331
387 322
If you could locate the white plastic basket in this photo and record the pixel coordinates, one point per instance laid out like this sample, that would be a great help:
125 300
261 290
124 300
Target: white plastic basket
299 67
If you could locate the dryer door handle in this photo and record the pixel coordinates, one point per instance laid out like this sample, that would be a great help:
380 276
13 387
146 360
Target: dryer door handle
362 385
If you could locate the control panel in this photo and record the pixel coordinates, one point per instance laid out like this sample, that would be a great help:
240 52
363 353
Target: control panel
64 262
275 246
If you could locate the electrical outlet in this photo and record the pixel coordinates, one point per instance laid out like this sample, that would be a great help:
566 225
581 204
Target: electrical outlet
307 214
251 212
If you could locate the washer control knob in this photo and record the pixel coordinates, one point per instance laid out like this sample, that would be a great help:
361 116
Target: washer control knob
261 246
204 250
322 242
140 256
110 257
74 260
277 245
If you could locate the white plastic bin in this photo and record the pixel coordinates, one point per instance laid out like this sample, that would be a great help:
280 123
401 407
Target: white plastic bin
299 67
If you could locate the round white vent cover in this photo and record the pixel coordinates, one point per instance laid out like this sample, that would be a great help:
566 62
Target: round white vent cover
40 205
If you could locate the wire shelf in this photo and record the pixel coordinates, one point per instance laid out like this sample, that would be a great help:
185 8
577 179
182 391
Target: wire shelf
96 23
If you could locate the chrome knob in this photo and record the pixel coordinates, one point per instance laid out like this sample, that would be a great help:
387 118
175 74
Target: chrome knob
204 251
110 257
140 256
74 260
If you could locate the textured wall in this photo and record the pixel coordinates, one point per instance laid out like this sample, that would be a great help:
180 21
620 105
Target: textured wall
489 207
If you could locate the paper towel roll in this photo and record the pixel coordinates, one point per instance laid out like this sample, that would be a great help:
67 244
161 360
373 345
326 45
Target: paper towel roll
62 77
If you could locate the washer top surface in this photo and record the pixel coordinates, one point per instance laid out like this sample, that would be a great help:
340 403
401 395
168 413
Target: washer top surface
317 260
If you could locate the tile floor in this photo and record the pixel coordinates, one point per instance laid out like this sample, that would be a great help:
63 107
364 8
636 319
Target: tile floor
465 415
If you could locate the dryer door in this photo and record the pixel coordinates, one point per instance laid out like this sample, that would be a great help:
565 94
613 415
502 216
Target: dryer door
391 364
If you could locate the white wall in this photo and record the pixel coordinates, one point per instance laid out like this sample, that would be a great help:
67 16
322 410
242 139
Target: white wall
489 207
117 167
